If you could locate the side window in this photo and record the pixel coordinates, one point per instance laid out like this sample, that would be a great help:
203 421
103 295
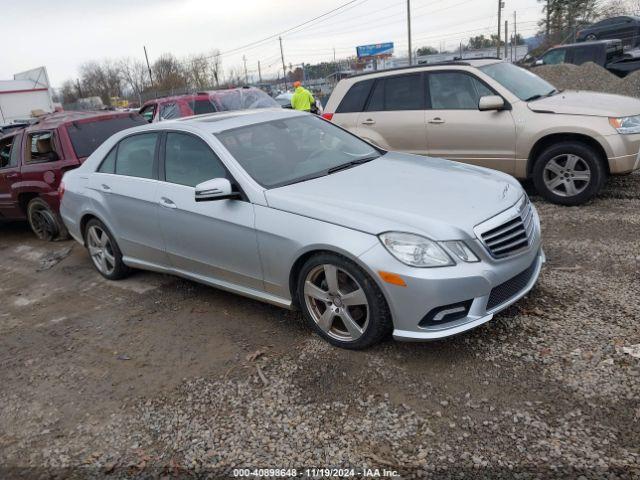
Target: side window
148 112
169 111
554 57
403 93
5 152
41 147
582 55
455 91
16 151
376 102
135 155
355 98
108 165
198 107
190 161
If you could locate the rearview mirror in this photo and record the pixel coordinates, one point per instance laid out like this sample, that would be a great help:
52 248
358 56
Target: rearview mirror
491 102
215 189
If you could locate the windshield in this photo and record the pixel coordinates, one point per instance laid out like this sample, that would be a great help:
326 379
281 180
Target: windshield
522 83
281 152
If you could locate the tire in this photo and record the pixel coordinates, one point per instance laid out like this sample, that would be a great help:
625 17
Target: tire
331 307
591 37
44 222
556 180
104 251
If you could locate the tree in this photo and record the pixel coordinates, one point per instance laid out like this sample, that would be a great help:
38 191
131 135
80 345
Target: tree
135 75
614 8
480 42
101 79
168 74
426 51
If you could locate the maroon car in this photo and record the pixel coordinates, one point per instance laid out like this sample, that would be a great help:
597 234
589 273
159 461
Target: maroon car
34 158
179 106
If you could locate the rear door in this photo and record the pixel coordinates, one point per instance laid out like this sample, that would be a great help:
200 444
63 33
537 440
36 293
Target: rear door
215 239
126 185
458 130
10 174
394 115
348 111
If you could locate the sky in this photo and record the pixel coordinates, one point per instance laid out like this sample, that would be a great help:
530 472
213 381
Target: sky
61 35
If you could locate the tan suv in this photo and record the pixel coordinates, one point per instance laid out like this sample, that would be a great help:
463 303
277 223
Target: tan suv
496 115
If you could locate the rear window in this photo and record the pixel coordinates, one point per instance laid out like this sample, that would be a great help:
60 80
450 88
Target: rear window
355 98
198 107
88 136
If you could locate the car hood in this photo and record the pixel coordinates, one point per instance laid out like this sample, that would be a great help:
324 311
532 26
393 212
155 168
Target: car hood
571 102
438 198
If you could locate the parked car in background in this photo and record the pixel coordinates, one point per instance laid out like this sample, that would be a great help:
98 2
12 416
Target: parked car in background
180 106
625 28
284 99
34 157
494 114
606 53
284 207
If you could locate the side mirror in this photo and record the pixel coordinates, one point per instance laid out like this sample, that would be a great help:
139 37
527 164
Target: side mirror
53 156
491 102
539 62
215 189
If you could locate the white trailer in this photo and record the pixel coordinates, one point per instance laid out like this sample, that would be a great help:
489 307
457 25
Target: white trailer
28 92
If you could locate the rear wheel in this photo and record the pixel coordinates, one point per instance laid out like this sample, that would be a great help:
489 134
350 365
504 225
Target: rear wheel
104 251
569 173
591 37
342 303
45 223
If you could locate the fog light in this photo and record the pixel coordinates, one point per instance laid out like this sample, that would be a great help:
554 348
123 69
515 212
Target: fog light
446 313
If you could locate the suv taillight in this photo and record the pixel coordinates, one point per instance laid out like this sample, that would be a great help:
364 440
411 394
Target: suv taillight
327 116
61 190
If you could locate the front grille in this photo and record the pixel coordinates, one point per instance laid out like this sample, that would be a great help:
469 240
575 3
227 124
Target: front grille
511 236
511 287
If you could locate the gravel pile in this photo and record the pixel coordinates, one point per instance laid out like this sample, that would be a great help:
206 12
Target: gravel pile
589 76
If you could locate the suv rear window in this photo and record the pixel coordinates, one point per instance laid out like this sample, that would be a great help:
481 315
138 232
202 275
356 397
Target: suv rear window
355 98
198 107
87 136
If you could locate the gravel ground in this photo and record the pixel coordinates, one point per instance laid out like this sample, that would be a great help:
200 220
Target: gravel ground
156 376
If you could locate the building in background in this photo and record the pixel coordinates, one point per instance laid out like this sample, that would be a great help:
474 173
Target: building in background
29 93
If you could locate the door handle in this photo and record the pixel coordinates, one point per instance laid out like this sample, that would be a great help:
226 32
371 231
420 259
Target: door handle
369 121
12 175
105 187
167 202
436 120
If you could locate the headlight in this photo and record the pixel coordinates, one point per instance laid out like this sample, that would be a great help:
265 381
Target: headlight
462 251
414 250
626 125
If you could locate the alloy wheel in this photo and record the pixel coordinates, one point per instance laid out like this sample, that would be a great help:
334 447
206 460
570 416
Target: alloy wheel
567 175
101 250
337 303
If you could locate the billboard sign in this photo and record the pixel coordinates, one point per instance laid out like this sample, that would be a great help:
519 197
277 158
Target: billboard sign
375 50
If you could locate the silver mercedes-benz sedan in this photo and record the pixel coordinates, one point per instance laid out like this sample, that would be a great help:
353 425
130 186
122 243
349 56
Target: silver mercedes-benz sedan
287 208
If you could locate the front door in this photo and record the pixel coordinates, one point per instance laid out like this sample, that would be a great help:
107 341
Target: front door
127 185
216 239
9 175
458 130
394 115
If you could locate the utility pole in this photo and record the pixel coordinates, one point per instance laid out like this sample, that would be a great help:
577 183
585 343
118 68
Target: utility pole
506 39
259 72
148 66
409 30
284 66
334 54
500 5
515 37
246 77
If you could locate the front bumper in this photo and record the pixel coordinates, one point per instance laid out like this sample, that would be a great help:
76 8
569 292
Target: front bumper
625 153
469 284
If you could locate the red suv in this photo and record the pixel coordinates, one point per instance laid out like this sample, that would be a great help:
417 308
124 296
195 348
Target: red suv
206 102
34 158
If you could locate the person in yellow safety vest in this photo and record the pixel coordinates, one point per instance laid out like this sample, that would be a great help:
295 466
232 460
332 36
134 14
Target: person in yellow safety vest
302 98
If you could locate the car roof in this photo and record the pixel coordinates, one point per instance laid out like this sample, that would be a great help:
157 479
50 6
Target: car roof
220 121
467 62
52 121
204 95
590 43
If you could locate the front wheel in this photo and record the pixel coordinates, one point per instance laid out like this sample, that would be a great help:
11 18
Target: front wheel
591 37
342 303
569 173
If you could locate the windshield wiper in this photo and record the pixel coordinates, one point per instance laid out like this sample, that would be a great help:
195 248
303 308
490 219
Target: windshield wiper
351 164
533 97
